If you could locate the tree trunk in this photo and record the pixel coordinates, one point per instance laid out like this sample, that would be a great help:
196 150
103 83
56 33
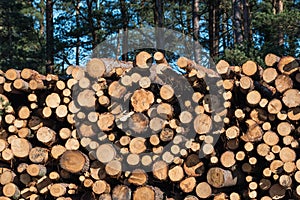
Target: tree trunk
49 37
91 22
214 27
159 23
247 23
77 36
125 30
237 21
279 10
197 49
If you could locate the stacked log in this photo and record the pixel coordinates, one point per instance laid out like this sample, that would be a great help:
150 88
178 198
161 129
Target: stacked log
141 130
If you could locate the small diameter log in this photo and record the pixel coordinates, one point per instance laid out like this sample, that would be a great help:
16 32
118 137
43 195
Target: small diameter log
253 98
121 192
270 138
187 185
7 177
228 159
11 190
58 189
38 155
74 161
246 83
288 65
36 170
166 92
46 135
254 132
53 100
287 154
20 84
100 187
138 177
57 151
219 178
176 173
193 166
137 145
105 153
165 110
143 60
106 121
274 106
203 190
271 59
269 75
222 67
160 58
249 68
160 170
24 112
143 193
113 168
138 122
284 128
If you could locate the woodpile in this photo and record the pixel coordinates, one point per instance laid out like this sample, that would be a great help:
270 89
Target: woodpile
141 130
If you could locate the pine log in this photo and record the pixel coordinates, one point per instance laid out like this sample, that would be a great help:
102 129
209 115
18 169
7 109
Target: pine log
121 192
144 192
288 65
219 178
271 59
74 161
283 83
203 190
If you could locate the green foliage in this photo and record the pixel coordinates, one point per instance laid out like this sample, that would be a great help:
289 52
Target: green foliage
21 44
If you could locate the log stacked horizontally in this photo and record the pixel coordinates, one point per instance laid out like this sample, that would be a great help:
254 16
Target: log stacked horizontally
129 130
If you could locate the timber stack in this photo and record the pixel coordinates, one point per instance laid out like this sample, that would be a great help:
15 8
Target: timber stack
141 130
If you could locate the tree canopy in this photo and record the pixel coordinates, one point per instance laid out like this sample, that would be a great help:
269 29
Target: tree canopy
36 33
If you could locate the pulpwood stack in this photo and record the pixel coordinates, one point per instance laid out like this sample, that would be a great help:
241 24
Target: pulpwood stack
140 130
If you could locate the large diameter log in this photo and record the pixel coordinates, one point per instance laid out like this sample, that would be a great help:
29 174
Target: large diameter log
105 153
46 135
141 100
11 190
74 161
291 98
187 185
220 178
143 193
20 147
202 124
143 60
95 68
203 190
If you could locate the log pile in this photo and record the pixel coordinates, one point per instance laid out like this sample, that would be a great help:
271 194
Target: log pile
140 130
